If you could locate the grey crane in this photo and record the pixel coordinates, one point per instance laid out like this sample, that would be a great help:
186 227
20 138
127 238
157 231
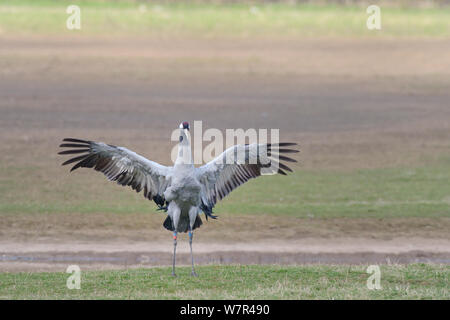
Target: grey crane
182 190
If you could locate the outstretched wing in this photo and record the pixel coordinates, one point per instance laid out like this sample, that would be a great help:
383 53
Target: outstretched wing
121 165
237 165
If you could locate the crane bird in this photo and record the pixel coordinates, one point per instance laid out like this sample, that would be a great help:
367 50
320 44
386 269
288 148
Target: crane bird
183 191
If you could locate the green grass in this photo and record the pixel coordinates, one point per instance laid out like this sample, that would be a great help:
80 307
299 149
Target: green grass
416 281
392 192
370 193
210 20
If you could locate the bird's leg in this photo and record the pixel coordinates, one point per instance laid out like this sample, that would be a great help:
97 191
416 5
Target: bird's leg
191 235
174 252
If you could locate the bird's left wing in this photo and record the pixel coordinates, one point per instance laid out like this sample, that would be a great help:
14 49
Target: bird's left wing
237 165
121 165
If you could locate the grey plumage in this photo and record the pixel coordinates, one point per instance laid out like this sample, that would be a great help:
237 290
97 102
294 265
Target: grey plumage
182 190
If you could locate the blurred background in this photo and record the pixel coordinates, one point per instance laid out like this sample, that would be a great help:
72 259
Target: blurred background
369 108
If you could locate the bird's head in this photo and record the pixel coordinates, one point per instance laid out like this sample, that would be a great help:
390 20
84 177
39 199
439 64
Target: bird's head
184 132
184 125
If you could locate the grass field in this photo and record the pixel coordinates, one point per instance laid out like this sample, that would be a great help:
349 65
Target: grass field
210 20
369 110
416 281
372 193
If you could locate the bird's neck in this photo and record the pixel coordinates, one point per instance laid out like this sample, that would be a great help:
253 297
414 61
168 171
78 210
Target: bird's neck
184 154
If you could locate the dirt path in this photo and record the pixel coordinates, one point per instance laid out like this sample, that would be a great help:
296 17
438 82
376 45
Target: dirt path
36 242
15 257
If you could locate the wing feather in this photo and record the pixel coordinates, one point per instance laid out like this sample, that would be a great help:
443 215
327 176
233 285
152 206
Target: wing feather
219 177
119 164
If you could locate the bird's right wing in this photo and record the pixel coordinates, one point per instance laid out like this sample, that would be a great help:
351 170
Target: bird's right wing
237 165
121 165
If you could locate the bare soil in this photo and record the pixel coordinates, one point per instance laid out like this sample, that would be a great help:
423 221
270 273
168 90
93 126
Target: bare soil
365 103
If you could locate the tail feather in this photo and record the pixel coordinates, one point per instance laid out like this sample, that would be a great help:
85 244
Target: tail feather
198 222
168 224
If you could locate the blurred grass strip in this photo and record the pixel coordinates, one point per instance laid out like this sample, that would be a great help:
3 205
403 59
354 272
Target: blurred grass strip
43 17
390 192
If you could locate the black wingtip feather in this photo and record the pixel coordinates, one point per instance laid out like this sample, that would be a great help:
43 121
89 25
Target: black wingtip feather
71 160
287 151
74 151
282 144
76 140
85 162
72 145
284 158
285 167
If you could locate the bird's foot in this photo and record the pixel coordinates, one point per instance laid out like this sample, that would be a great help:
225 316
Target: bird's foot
193 274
